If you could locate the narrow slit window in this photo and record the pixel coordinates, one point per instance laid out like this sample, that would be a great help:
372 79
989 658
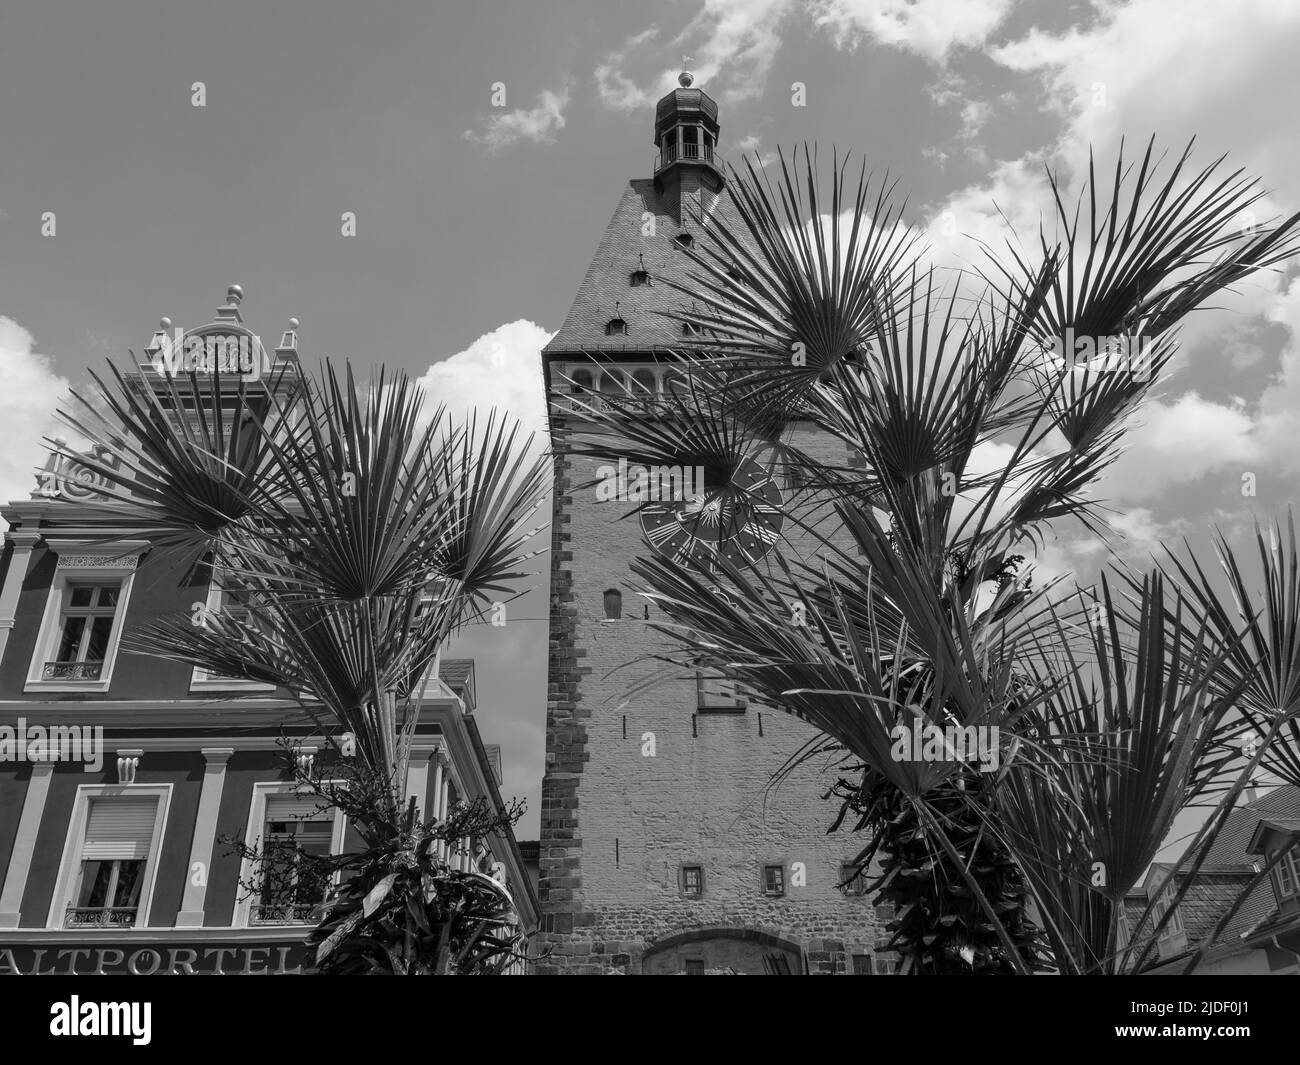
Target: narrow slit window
613 604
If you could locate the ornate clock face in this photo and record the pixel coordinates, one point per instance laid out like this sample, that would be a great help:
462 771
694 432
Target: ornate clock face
739 521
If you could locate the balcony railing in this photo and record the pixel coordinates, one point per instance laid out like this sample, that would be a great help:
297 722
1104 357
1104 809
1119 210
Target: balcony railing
72 670
694 152
583 403
99 916
282 913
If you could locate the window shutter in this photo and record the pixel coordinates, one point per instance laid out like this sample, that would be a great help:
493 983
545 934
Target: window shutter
119 828
291 807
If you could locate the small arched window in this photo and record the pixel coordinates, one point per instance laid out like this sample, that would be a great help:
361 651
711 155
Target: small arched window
684 240
616 327
581 381
613 604
640 276
690 329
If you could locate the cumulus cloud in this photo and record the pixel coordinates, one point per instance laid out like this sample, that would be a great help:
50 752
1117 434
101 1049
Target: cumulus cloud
1174 442
619 92
31 392
1180 68
501 369
733 42
538 124
928 28
749 145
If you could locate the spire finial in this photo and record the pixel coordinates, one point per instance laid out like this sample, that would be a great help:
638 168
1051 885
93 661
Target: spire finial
229 311
685 79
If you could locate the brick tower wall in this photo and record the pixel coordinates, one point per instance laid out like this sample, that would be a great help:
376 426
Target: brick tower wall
618 823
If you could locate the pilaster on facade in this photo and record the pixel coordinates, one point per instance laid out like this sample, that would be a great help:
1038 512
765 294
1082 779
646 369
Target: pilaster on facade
20 858
194 901
24 541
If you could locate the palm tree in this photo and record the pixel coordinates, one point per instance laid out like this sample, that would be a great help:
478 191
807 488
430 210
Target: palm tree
979 432
357 533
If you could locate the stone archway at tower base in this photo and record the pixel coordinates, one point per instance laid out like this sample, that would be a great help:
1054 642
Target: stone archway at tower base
721 949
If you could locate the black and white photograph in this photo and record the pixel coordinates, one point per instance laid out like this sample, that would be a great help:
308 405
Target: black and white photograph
707 488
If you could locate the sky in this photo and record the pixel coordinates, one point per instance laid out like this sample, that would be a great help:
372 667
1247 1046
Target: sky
482 147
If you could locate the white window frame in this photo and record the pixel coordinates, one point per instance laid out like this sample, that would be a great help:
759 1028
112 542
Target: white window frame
74 841
79 563
717 694
203 681
243 914
1288 867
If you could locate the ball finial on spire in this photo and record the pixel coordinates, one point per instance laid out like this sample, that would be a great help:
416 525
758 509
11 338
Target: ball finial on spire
685 79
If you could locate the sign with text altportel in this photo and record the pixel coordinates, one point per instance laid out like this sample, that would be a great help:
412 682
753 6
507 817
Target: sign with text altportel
125 958
213 349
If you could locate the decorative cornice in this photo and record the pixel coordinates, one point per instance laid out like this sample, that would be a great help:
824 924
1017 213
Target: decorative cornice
98 561
87 554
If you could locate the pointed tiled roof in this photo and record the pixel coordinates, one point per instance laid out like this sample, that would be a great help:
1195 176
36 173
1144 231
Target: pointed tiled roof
607 292
1232 845
1232 848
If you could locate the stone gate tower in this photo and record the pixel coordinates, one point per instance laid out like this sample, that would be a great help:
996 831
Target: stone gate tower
662 851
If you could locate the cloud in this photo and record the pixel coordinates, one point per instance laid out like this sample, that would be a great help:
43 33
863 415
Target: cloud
928 28
733 45
748 146
539 124
619 92
735 42
28 400
1180 68
501 369
1179 441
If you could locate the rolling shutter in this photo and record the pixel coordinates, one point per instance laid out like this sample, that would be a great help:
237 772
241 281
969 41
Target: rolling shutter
296 808
119 828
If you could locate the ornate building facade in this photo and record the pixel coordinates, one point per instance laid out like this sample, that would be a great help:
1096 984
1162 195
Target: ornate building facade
663 849
121 774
